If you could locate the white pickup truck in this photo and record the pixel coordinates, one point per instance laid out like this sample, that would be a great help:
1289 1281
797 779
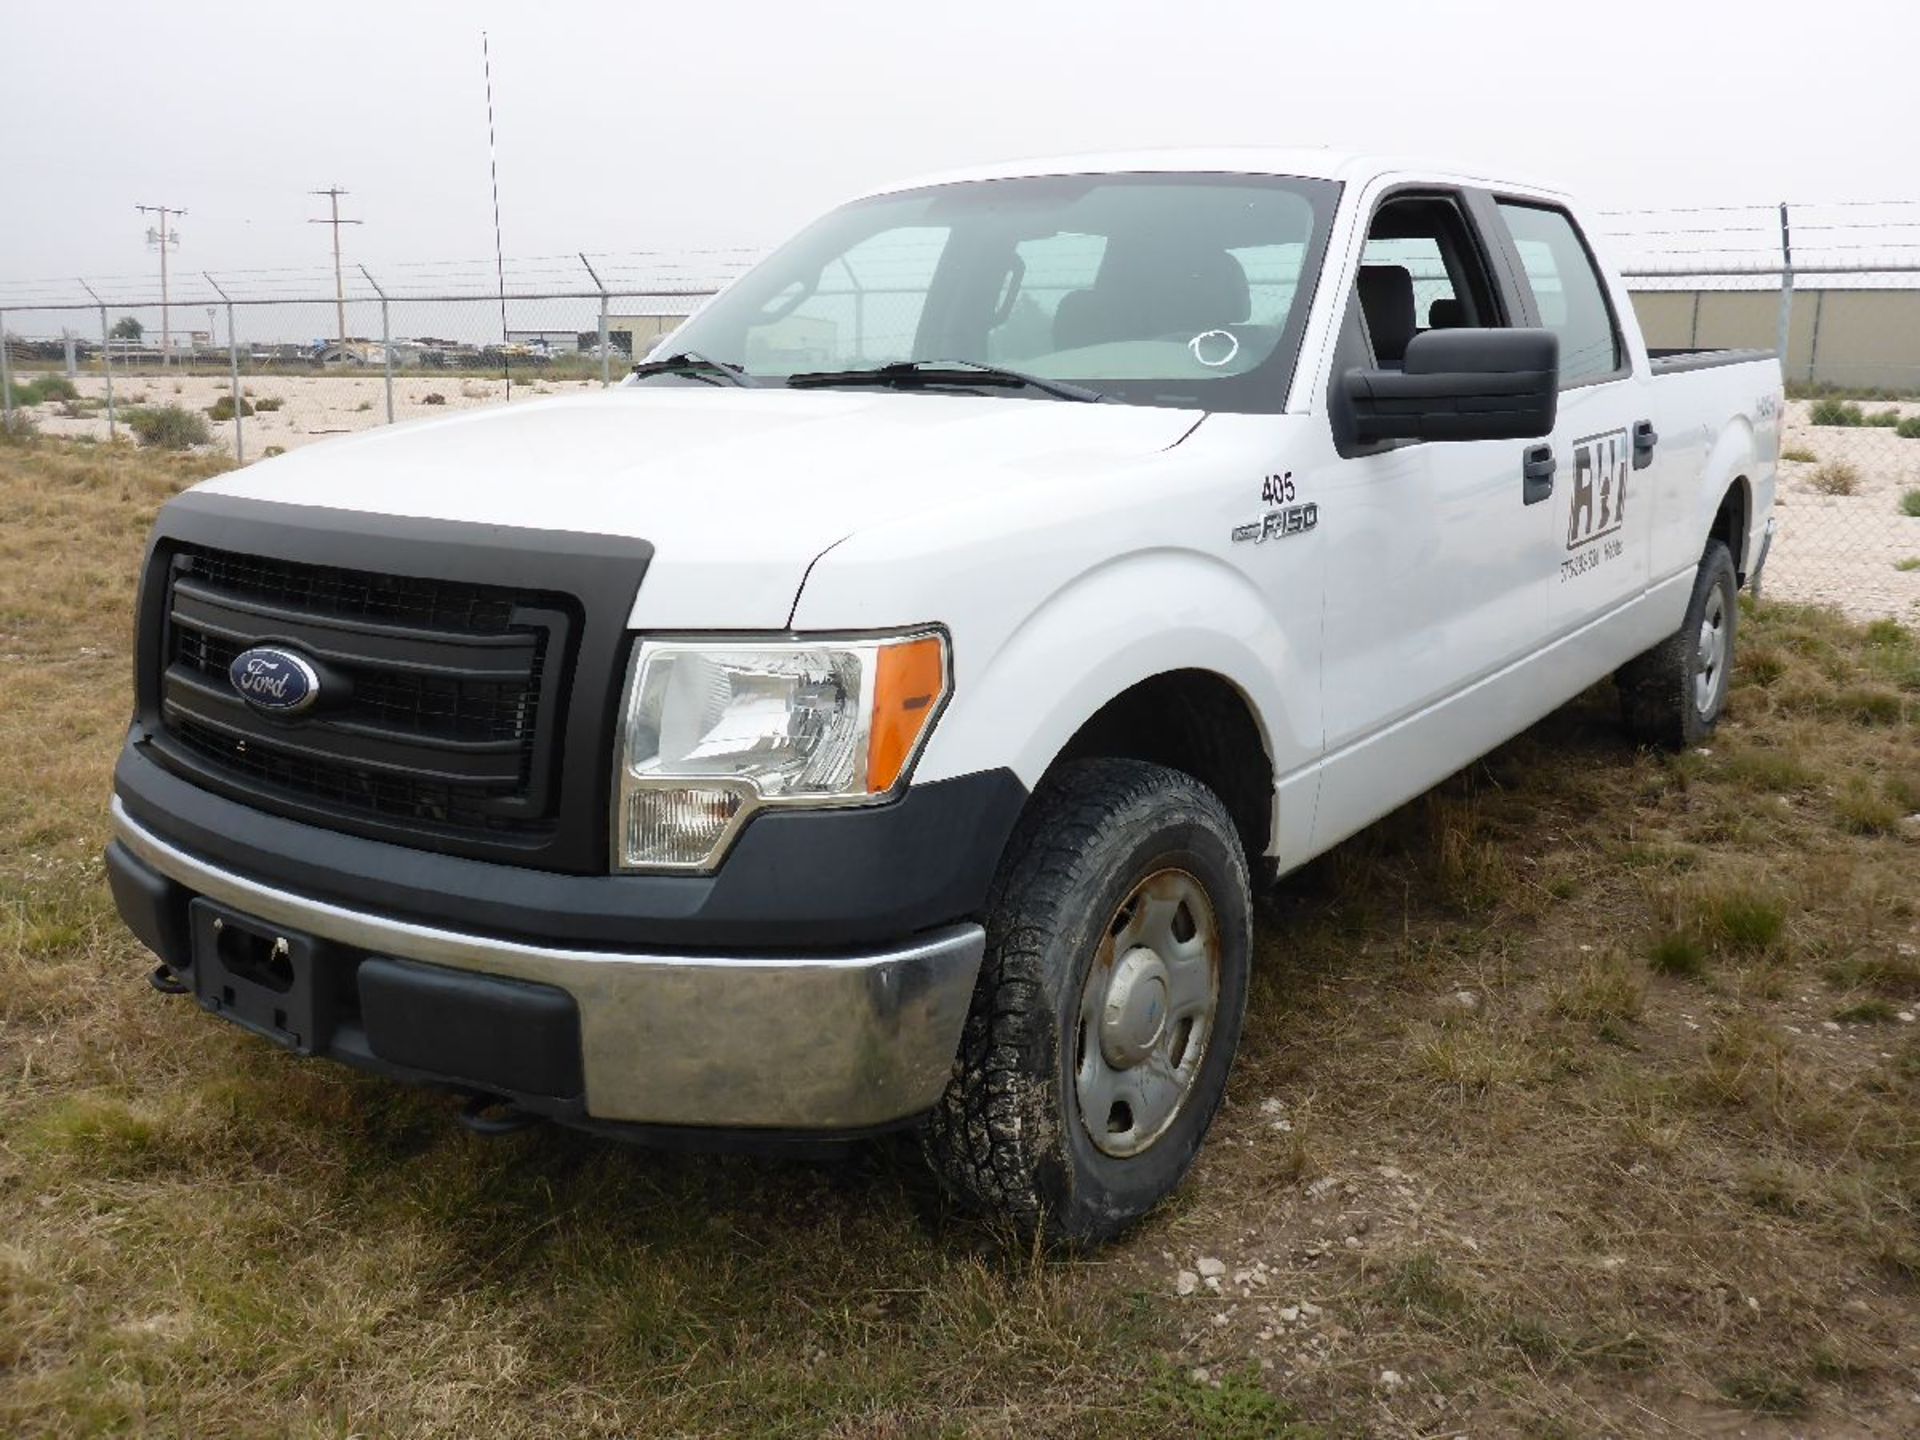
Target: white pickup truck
878 711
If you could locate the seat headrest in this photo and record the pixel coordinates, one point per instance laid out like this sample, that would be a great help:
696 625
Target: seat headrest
1144 292
1446 314
1386 299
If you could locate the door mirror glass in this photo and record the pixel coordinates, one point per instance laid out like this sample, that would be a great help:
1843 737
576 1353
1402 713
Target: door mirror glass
1465 384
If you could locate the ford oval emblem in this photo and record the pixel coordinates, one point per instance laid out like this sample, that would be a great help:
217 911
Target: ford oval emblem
275 680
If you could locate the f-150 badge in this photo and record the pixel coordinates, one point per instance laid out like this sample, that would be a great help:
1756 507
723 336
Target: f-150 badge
1278 524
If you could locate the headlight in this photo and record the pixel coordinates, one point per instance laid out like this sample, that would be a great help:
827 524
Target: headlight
714 730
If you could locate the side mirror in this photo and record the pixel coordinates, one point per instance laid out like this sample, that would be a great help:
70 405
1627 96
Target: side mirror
1460 385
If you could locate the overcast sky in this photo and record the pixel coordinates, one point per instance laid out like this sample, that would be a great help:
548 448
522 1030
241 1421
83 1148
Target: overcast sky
645 126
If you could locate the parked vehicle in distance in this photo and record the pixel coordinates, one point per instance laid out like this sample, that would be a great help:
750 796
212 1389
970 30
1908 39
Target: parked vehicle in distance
879 710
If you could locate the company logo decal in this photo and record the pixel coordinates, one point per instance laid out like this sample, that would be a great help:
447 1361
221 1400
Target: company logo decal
1600 467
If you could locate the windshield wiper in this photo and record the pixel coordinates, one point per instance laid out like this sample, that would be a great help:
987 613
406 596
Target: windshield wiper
696 366
909 373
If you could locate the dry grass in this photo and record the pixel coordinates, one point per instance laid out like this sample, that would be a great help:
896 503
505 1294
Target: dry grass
1539 1109
1836 477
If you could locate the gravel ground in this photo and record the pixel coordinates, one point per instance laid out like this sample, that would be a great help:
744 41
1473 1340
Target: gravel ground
1843 550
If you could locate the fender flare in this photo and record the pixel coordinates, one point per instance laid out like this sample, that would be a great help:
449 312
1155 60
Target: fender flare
1106 630
1729 463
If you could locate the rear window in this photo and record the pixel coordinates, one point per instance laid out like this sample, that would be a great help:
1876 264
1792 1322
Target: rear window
1568 292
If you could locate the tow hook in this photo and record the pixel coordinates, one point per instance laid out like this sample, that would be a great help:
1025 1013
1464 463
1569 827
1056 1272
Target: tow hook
166 982
485 1114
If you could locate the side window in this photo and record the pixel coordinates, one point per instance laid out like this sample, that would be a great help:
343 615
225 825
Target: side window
1420 270
864 311
1568 292
1420 257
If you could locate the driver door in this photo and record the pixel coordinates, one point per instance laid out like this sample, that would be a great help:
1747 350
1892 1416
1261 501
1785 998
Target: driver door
1439 561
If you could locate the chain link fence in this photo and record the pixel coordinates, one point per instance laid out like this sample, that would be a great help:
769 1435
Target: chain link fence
260 377
253 367
1834 289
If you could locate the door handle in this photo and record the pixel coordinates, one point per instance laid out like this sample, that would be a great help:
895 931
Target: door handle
1536 474
1644 439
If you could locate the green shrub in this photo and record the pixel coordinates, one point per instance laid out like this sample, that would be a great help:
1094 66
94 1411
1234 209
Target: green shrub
42 389
1910 504
168 427
1882 419
1836 412
268 402
1909 428
18 426
1799 456
222 409
1678 954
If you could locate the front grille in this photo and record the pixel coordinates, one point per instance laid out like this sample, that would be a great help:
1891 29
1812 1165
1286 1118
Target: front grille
440 700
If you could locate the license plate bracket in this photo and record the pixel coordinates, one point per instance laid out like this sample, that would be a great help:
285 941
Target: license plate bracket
263 977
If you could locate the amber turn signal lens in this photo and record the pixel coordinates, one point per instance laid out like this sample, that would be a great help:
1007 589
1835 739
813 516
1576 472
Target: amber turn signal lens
909 684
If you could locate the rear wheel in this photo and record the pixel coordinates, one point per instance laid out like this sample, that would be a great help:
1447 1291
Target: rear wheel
1109 1004
1673 695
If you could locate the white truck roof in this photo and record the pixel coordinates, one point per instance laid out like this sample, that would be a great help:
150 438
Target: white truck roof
1310 163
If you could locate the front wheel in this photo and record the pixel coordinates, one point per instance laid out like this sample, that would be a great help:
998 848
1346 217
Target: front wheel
1108 1007
1673 694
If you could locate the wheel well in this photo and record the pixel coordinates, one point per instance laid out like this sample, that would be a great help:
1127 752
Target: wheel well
1197 722
1730 525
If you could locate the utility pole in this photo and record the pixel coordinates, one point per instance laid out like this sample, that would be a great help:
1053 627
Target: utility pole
165 240
333 193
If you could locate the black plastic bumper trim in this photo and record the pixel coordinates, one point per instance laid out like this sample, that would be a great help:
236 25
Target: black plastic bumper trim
795 881
488 1031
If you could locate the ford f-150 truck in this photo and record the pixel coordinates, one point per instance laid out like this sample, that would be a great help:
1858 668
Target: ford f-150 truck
879 709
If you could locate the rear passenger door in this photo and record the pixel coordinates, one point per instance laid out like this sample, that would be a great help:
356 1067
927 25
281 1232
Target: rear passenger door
1602 496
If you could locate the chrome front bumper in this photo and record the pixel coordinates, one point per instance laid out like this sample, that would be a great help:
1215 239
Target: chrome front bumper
762 1041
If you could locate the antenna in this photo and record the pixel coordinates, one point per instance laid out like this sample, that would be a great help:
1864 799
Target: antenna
333 193
499 263
166 240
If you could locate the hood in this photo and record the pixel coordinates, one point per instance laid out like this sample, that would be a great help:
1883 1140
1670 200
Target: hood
737 490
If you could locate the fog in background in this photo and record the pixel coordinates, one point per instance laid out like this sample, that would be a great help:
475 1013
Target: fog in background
653 127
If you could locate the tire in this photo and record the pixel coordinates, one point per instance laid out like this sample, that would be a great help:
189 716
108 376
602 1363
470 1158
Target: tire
1673 695
1120 877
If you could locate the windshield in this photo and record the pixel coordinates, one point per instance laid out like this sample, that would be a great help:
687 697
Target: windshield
1183 290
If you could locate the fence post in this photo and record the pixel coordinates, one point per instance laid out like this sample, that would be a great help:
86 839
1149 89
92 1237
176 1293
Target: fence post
606 364
1786 286
386 338
106 360
6 376
233 363
106 369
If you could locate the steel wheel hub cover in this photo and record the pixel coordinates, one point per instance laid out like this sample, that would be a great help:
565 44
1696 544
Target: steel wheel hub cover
1147 1012
1135 1015
1712 655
